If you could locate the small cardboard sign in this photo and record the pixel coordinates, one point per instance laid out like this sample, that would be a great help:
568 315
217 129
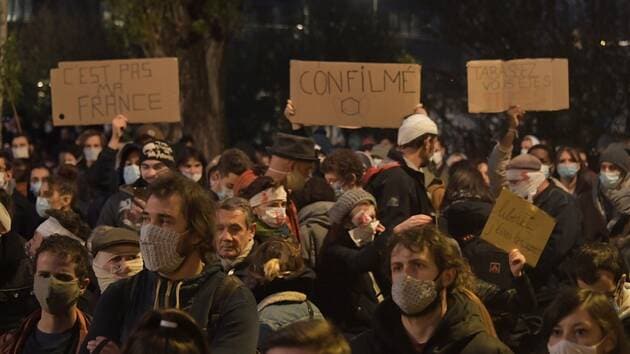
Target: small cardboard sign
534 84
516 223
353 94
94 92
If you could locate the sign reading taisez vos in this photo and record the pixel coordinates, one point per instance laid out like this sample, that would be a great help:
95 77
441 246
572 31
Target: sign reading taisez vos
93 92
353 94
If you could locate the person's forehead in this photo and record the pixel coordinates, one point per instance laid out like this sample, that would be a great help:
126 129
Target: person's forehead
227 217
401 253
363 207
40 172
51 262
170 205
152 163
20 140
578 316
93 139
541 154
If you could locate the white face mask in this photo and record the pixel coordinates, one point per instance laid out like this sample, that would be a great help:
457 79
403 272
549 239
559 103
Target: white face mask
524 151
225 193
437 158
194 176
158 247
41 206
567 347
546 170
106 278
364 234
91 153
3 180
20 152
609 180
131 173
528 188
35 187
274 216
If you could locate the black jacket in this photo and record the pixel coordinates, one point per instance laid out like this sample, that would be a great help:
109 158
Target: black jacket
460 331
344 294
16 282
126 301
565 238
25 219
399 192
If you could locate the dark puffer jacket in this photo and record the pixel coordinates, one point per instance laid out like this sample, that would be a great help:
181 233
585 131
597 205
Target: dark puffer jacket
461 330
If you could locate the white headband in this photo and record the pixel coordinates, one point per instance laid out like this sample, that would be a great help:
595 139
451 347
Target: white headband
268 195
52 226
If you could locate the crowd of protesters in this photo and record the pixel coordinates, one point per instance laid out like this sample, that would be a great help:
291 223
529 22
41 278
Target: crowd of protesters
142 245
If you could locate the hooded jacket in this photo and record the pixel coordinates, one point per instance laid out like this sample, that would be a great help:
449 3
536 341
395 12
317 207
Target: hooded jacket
116 210
314 225
461 330
125 302
13 342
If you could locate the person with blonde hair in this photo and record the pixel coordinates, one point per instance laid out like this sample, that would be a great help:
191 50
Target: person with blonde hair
282 285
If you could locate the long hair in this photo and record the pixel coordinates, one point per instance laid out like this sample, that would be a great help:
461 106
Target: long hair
274 258
466 182
598 307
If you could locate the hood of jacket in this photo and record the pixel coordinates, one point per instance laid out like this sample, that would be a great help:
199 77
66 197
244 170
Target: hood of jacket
315 212
466 216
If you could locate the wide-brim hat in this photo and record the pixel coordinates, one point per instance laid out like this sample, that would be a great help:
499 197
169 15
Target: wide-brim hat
293 147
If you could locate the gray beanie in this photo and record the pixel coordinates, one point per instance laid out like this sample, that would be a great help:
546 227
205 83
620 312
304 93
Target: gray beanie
347 202
524 162
616 154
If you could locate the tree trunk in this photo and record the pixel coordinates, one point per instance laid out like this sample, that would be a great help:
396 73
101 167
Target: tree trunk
202 101
4 33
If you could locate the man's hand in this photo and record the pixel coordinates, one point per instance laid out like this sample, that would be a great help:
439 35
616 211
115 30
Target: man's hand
289 112
109 347
515 115
413 221
119 124
517 262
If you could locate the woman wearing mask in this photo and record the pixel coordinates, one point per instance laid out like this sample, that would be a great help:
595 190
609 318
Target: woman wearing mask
129 164
269 202
343 170
611 197
347 294
583 322
191 163
570 171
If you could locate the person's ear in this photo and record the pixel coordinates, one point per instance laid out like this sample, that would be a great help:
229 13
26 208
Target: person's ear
252 230
353 180
65 200
448 277
609 343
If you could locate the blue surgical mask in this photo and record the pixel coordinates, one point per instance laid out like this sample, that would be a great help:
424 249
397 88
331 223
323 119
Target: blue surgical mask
131 173
225 193
35 187
568 170
609 180
338 188
41 206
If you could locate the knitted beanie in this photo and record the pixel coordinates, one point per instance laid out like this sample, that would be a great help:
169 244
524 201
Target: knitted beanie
347 202
616 154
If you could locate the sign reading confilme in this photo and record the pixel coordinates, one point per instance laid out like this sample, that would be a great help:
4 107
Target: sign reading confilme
353 94
533 84
93 92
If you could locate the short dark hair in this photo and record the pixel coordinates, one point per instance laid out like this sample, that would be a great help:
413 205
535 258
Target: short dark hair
345 163
546 148
597 306
443 249
191 153
465 181
316 335
72 222
316 189
65 247
236 203
234 161
197 206
598 256
152 336
86 134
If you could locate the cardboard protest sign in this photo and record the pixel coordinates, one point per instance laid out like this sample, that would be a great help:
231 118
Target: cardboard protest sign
533 84
516 223
93 92
353 94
